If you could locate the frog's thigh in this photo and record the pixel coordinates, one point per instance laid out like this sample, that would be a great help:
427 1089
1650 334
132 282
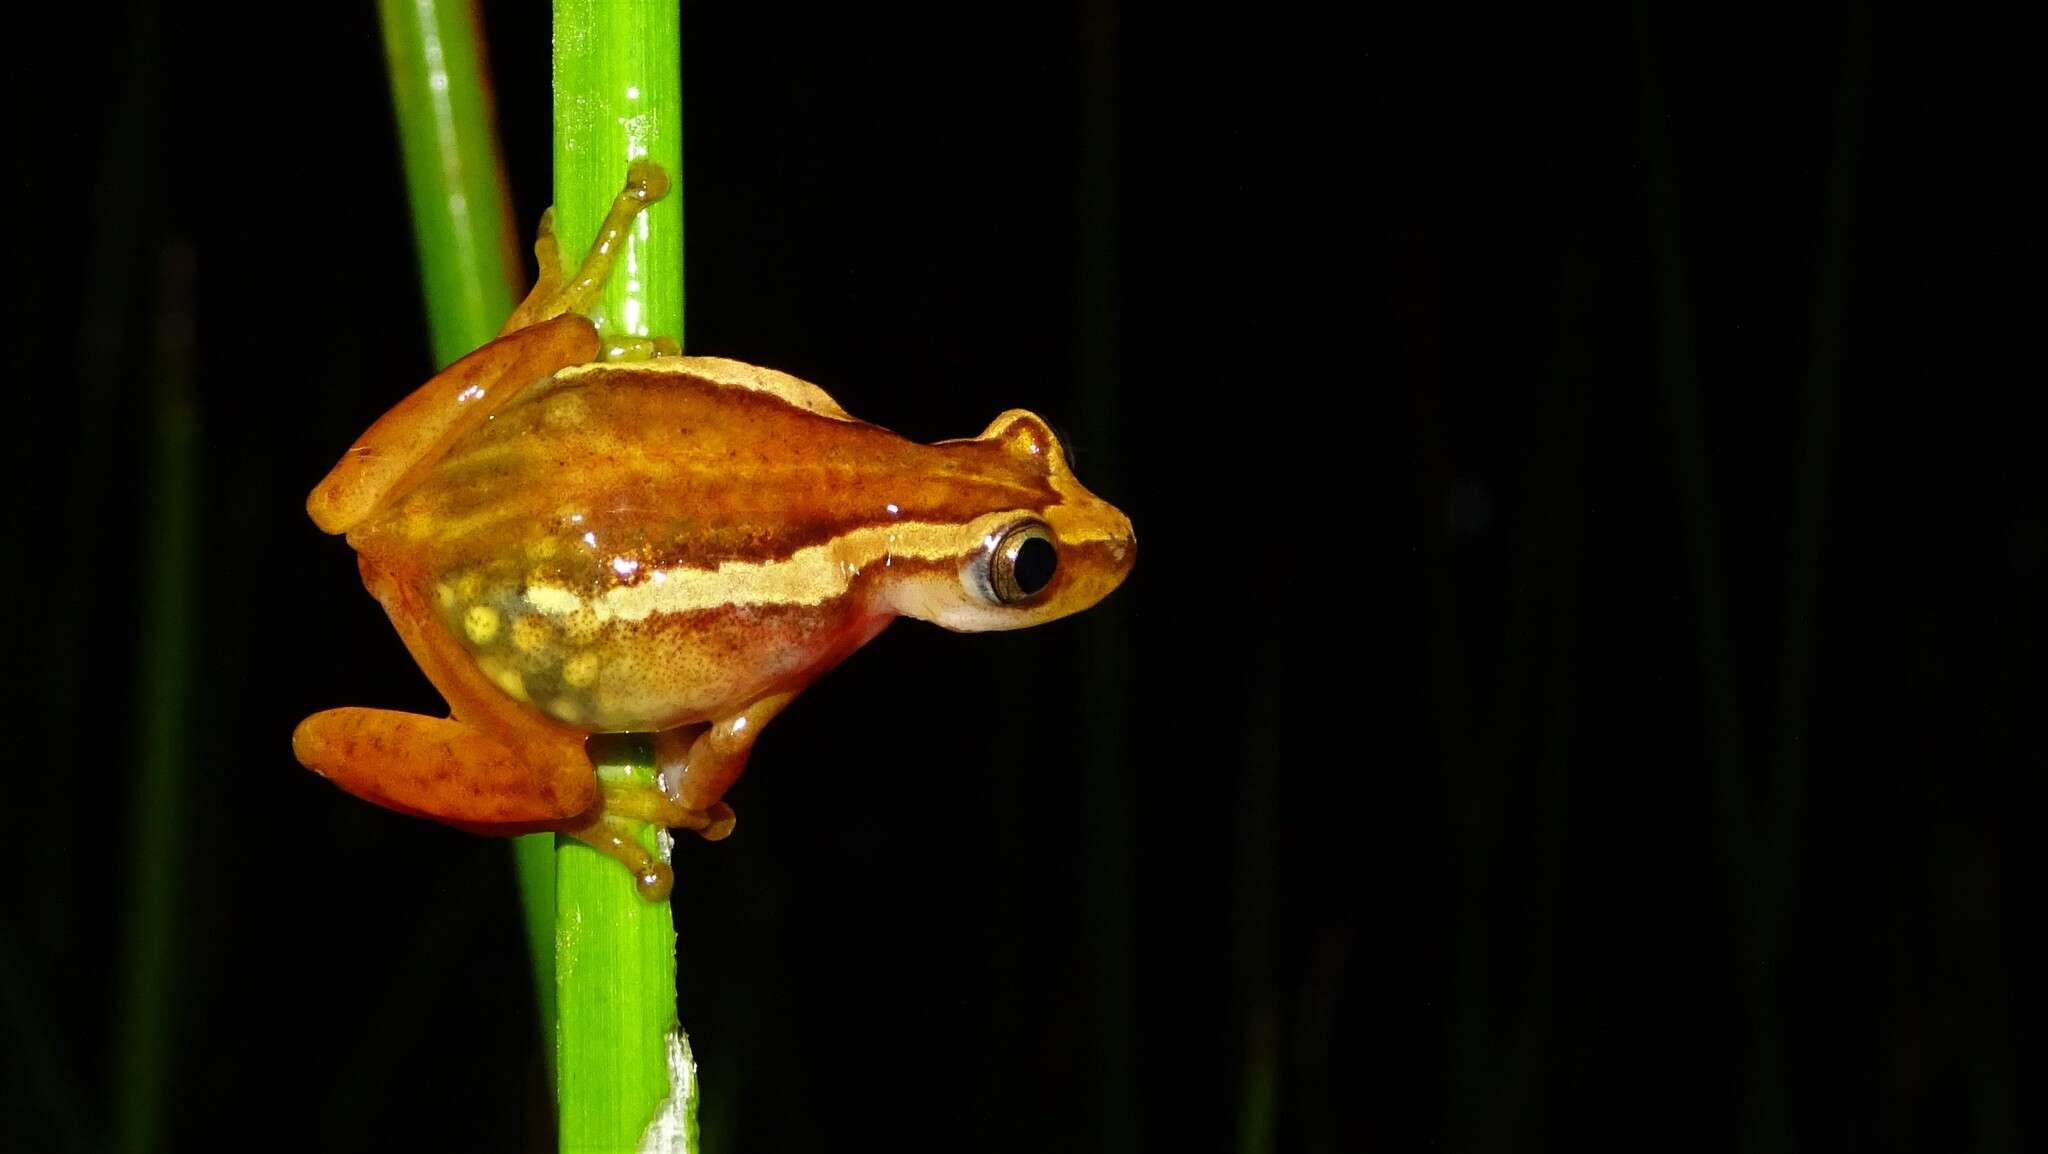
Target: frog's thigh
384 460
442 768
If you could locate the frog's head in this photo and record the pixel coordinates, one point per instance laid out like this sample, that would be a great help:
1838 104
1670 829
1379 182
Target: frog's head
1053 549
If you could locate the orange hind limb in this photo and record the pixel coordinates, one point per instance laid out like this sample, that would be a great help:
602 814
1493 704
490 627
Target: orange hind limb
443 769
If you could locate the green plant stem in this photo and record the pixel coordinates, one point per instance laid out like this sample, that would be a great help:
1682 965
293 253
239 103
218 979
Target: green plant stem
469 274
461 213
604 958
618 97
164 707
624 1076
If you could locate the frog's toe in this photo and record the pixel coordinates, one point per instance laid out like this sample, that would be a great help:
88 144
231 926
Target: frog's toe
655 881
721 823
619 839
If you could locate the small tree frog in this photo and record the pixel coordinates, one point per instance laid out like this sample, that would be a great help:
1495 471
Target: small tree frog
670 544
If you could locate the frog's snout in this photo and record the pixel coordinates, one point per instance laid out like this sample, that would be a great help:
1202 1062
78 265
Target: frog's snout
1107 548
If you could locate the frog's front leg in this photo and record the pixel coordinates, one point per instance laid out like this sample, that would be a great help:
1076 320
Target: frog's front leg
626 804
714 759
695 765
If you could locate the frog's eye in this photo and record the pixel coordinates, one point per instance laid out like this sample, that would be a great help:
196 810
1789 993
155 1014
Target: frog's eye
1022 563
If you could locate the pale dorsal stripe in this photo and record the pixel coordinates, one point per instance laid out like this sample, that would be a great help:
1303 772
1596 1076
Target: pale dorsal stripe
732 374
810 576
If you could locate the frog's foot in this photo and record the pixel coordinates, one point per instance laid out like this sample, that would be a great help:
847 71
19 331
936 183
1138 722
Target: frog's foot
441 768
618 838
554 294
649 804
623 809
630 349
547 255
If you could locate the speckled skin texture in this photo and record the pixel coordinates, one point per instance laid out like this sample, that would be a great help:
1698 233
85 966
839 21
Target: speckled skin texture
516 551
678 546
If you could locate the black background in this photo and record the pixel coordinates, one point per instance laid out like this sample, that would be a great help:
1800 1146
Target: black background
1578 681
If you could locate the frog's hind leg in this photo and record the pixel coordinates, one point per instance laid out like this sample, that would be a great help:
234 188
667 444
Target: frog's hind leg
405 442
547 284
441 768
545 334
555 294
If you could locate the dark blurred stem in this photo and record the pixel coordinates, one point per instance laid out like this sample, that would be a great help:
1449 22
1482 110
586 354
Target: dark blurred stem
117 258
454 180
1255 901
1813 478
154 866
1757 861
1109 772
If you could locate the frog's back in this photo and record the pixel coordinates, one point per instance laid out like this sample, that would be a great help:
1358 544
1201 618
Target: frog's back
664 466
589 544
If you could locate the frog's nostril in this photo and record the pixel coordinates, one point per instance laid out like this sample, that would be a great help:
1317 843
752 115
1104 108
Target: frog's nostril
1123 544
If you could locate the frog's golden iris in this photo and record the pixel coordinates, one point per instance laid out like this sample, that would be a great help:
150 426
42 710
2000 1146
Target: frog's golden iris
1022 563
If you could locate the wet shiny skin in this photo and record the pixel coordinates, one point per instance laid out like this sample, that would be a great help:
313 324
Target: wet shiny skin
678 545
715 546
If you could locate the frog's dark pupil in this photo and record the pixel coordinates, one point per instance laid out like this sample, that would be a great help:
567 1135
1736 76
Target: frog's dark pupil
1037 561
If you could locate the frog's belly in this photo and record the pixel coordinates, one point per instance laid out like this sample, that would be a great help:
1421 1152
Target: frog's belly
568 659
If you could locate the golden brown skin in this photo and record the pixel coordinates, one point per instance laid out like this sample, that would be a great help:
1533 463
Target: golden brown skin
678 546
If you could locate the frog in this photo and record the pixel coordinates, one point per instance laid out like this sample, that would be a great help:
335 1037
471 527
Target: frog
577 537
